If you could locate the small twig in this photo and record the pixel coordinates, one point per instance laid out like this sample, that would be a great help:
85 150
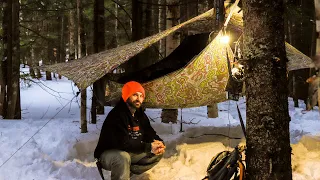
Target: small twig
45 112
40 83
190 122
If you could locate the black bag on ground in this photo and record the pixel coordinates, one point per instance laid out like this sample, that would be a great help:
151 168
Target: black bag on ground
225 166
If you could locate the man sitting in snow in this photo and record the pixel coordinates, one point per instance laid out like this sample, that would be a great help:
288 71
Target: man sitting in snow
127 142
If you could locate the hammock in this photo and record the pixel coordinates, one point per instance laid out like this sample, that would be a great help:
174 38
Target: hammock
201 82
190 47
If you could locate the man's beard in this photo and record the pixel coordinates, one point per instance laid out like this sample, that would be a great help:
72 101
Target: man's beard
134 104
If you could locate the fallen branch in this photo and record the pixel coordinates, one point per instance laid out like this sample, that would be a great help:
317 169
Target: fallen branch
215 134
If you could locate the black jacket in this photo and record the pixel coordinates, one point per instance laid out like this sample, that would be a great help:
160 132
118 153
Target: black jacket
122 131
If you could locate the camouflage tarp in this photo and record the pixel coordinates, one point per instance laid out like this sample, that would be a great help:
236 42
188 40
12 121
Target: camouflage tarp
87 70
90 68
199 83
296 59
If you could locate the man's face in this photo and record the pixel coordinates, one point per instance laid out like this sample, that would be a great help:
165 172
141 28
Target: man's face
135 100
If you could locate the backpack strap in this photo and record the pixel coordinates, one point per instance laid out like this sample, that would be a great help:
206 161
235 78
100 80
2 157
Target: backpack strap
242 169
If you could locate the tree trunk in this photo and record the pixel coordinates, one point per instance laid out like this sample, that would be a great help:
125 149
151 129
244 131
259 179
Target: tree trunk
192 9
210 3
72 30
13 62
172 41
148 54
99 45
16 63
169 115
155 25
38 72
212 111
137 33
49 60
220 14
116 24
6 22
31 64
268 154
62 48
162 26
81 52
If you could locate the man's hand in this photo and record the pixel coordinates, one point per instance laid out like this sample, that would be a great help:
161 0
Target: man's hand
157 147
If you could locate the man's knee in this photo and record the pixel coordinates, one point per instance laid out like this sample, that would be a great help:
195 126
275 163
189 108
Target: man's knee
124 158
115 158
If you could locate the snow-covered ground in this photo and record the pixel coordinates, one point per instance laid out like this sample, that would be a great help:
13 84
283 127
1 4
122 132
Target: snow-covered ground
59 151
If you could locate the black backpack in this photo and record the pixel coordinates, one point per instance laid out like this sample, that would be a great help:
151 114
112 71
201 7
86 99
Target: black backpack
226 165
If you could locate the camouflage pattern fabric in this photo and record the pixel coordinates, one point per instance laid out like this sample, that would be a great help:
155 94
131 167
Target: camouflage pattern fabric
296 59
87 70
199 83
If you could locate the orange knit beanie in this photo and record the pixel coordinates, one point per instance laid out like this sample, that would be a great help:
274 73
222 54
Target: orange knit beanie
130 88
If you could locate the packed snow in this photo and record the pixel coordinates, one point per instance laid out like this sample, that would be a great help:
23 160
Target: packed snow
47 143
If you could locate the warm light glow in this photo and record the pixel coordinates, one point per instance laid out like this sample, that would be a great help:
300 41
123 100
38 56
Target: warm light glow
225 39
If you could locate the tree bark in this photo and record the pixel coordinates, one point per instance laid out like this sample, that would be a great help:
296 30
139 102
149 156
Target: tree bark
116 24
210 4
172 41
3 64
268 154
13 62
137 33
212 111
169 115
31 64
81 52
99 45
62 44
72 31
162 27
49 60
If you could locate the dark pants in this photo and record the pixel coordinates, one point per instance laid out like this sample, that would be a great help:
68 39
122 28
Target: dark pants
121 163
